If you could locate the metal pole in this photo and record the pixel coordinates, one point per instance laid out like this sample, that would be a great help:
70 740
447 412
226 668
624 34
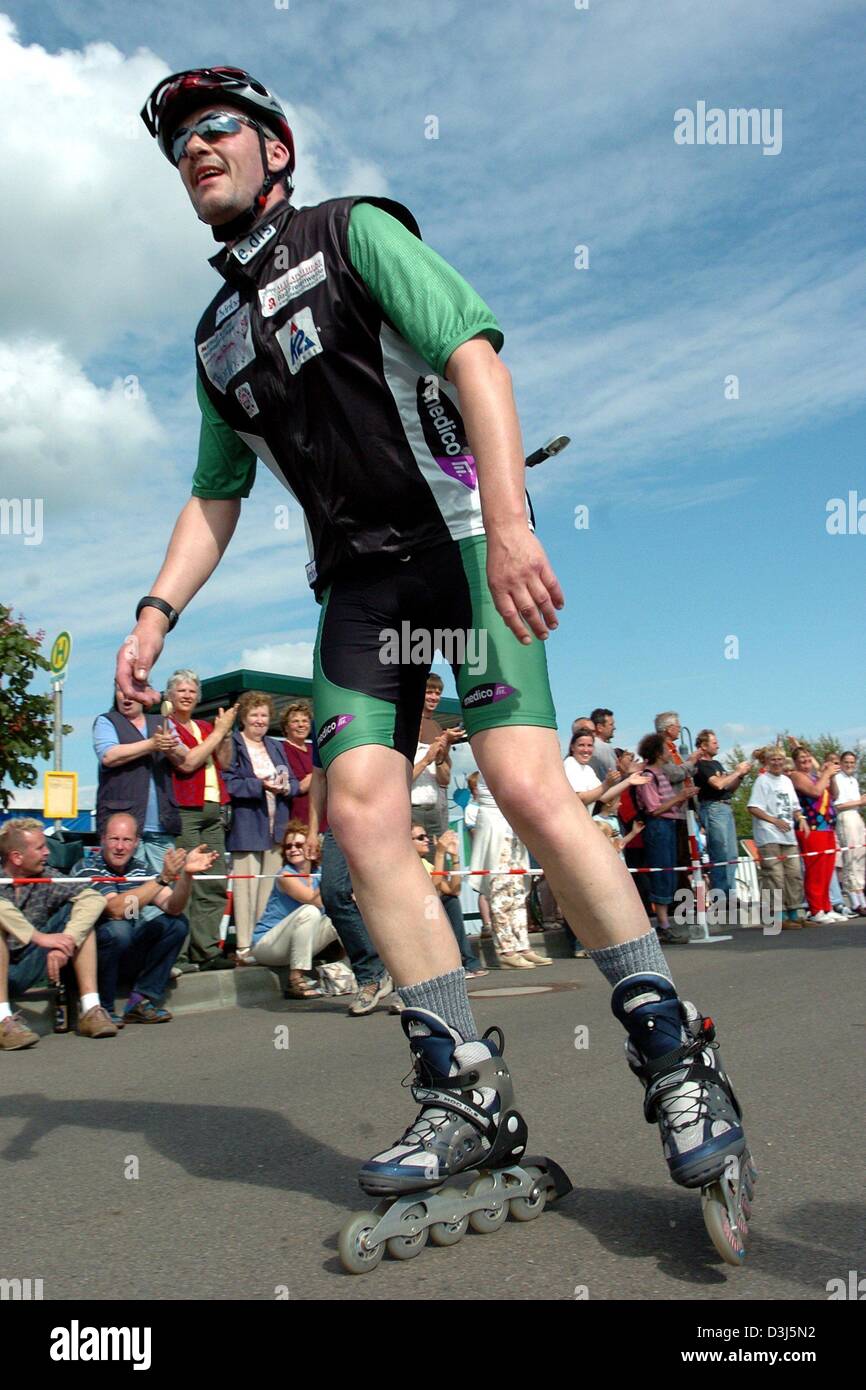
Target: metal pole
58 744
58 726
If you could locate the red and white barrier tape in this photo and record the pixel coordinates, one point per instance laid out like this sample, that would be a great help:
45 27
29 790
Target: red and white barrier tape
448 873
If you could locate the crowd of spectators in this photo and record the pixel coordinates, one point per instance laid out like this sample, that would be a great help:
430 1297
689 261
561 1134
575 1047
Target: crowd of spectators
182 802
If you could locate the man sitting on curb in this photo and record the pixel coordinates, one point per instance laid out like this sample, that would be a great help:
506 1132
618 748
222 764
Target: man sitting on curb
44 926
142 929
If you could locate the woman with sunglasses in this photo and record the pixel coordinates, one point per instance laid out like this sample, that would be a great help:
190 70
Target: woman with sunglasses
293 927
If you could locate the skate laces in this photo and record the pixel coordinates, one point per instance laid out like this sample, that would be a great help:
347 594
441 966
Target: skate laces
687 1102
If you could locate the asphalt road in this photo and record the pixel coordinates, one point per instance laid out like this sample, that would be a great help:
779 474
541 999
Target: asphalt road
246 1152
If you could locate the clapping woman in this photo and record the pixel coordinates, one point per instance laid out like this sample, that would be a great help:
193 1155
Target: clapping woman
261 787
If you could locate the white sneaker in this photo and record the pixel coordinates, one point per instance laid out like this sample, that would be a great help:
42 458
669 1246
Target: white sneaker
836 916
822 918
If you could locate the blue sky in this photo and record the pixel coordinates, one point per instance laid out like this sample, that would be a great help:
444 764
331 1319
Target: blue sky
707 515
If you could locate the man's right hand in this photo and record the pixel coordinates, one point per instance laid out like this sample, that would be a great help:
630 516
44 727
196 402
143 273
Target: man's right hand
782 824
138 656
55 941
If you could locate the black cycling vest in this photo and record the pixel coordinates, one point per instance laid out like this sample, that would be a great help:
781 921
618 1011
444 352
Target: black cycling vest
290 352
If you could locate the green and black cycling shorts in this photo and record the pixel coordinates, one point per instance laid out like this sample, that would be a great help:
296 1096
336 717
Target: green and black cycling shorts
378 630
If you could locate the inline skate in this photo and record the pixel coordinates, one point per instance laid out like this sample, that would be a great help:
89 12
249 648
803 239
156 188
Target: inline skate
672 1048
467 1124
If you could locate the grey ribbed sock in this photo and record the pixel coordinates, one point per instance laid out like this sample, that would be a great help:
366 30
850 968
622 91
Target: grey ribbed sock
642 955
446 996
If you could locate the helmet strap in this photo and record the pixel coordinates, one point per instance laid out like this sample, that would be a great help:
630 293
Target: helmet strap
244 221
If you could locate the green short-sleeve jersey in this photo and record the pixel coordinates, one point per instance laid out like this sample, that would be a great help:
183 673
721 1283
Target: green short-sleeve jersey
429 303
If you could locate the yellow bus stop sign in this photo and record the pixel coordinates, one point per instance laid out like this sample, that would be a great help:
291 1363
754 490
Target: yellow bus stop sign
60 654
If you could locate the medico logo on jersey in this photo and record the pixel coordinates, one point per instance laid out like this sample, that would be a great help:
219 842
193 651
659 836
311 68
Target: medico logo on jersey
445 434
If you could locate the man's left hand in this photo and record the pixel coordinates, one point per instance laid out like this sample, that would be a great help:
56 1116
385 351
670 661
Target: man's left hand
199 860
525 589
54 963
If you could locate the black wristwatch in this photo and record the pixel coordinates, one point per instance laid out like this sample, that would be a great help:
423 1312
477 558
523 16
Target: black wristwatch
149 601
160 880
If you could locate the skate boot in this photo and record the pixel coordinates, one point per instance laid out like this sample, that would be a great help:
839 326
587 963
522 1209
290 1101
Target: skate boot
467 1123
671 1048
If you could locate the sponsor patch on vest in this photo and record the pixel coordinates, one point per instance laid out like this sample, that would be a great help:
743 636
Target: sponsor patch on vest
445 434
487 694
331 727
228 350
252 244
227 307
247 399
302 277
299 340
311 572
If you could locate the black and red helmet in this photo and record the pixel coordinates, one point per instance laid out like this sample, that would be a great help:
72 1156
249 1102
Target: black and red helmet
176 96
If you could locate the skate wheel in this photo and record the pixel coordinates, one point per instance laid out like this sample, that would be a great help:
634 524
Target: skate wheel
487 1218
449 1232
355 1257
528 1208
727 1239
407 1247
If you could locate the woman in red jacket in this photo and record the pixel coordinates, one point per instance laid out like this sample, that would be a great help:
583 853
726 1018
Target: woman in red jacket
296 724
201 794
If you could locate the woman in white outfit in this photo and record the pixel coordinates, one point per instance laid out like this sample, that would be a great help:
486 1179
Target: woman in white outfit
496 846
850 832
293 928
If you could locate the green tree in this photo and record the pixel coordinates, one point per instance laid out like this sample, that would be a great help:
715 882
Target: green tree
740 798
26 720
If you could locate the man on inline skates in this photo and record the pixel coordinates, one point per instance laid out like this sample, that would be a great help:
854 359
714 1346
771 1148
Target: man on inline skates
363 370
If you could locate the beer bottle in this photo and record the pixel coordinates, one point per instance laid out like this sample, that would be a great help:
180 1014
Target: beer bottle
62 1006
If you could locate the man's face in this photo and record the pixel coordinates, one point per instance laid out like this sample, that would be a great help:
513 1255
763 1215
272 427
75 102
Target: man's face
118 842
606 729
432 696
222 178
711 747
30 859
848 764
672 732
775 763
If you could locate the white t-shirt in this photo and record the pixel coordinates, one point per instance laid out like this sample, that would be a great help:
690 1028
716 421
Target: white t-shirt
581 777
425 788
847 788
776 796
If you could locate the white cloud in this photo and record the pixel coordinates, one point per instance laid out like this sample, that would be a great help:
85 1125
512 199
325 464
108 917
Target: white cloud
61 436
284 659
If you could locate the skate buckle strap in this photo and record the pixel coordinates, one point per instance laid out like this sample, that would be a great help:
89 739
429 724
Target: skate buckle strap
446 1100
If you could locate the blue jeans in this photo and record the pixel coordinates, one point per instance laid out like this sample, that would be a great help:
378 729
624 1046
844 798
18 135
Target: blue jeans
660 844
29 967
717 818
340 906
454 913
141 951
154 844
